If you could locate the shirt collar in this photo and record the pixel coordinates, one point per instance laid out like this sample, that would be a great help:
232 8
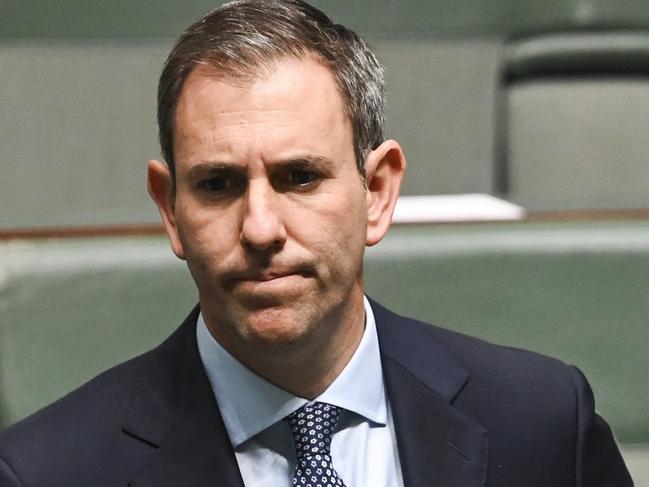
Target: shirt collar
249 403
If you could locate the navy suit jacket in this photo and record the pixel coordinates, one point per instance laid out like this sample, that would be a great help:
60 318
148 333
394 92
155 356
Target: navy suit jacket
466 414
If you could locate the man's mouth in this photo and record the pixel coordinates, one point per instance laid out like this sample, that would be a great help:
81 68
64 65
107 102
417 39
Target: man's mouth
266 286
271 273
269 280
269 276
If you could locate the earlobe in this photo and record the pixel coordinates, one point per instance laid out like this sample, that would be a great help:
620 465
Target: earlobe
385 168
160 185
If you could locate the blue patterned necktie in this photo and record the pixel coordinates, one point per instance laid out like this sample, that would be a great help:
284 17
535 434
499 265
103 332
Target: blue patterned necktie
312 426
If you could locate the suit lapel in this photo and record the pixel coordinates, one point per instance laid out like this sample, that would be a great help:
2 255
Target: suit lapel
438 445
197 453
174 411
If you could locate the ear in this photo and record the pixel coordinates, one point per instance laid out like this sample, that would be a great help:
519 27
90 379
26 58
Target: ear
161 188
384 168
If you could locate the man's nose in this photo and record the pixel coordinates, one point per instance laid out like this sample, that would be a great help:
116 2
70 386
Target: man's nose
262 227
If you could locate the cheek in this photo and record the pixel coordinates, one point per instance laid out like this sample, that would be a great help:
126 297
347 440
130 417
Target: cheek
206 242
338 238
206 229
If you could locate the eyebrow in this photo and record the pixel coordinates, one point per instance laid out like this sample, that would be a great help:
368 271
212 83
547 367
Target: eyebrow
206 168
303 161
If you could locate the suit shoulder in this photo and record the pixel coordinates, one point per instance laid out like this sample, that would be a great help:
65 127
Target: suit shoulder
493 364
479 353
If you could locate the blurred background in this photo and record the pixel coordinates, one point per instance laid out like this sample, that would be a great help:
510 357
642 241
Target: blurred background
543 104
486 96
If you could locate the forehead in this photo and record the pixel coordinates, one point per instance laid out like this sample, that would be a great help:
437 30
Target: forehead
291 98
291 81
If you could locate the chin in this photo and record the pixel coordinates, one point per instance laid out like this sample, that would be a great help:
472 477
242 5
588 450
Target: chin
268 327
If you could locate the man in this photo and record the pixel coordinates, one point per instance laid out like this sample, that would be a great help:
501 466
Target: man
276 176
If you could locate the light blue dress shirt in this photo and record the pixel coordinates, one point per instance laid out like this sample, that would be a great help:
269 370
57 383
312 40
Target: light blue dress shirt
363 448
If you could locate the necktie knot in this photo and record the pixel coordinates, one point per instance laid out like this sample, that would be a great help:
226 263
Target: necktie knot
313 426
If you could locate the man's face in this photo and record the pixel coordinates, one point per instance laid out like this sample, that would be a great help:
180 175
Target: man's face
270 211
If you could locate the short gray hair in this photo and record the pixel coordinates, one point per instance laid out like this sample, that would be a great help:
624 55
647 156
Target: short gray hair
243 36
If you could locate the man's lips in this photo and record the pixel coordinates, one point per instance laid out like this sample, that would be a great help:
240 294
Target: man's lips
268 275
269 285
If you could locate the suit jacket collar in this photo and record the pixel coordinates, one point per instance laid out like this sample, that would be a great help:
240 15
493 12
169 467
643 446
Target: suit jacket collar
438 445
174 411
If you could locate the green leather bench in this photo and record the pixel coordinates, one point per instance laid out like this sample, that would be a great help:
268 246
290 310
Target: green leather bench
70 308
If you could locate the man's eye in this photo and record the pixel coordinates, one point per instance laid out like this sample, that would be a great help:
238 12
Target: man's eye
217 184
300 177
